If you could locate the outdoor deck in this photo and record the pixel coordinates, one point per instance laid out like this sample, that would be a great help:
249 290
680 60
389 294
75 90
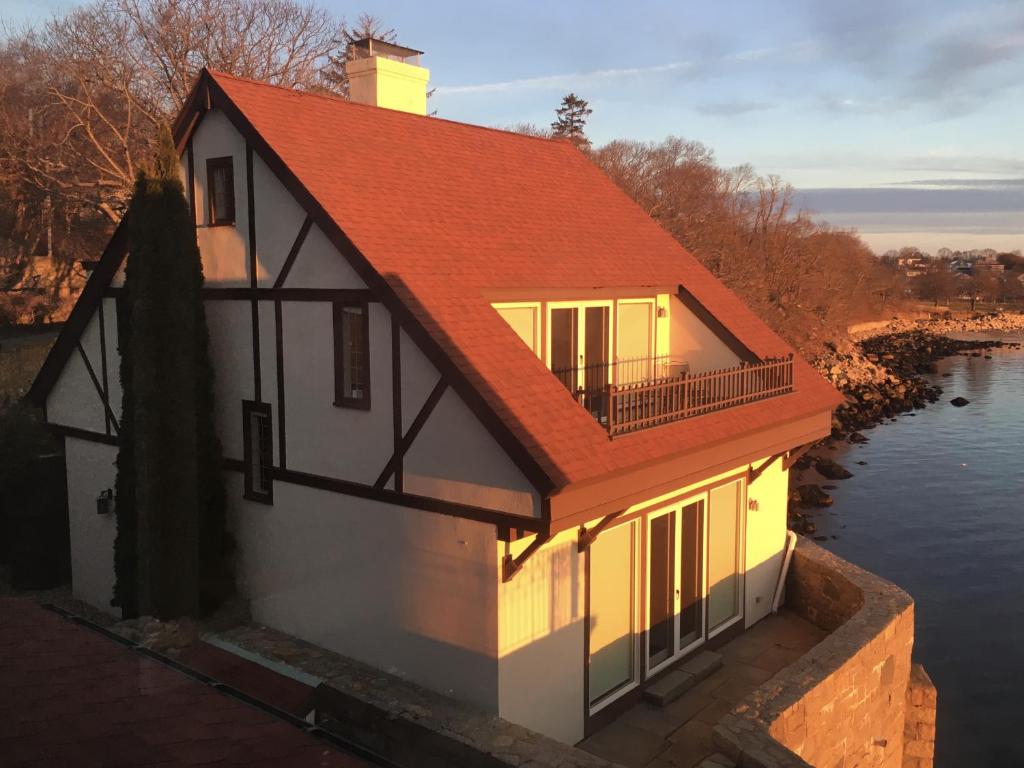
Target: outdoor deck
679 735
629 395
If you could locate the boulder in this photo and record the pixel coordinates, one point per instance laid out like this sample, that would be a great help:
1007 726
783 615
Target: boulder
831 470
959 402
811 495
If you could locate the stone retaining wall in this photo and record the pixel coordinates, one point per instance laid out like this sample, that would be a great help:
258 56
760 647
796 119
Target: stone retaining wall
411 726
845 702
919 725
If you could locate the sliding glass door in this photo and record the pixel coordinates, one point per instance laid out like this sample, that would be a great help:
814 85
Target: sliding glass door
693 573
661 585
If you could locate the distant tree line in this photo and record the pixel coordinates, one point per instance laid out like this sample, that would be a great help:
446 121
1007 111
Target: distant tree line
978 275
806 279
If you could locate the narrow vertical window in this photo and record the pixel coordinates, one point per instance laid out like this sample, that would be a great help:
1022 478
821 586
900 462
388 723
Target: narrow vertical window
258 450
220 190
351 355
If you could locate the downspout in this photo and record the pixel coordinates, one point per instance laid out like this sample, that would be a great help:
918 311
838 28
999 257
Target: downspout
790 546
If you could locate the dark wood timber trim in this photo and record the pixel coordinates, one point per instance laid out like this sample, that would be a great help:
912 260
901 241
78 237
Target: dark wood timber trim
229 216
396 398
383 290
267 459
250 196
386 496
510 566
753 474
103 366
414 429
588 535
190 155
715 325
344 295
282 453
99 387
82 434
294 252
341 398
795 455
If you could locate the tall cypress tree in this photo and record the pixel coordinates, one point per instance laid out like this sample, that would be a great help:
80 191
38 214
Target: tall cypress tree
171 547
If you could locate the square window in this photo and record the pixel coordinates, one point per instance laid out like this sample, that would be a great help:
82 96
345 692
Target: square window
351 355
220 190
258 451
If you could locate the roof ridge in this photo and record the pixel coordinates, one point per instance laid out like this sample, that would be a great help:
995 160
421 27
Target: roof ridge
333 97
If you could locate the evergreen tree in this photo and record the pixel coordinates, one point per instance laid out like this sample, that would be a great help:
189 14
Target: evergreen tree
571 120
171 548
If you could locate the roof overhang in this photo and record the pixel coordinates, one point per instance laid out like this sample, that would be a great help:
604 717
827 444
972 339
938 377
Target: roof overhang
582 502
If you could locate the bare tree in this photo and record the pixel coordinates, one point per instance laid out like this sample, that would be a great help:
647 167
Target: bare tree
335 74
105 76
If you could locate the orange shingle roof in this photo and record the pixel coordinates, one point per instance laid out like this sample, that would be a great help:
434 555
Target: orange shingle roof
446 212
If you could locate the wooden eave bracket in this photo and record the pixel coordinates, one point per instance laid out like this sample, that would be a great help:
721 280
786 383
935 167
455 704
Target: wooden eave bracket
588 535
795 455
753 474
510 566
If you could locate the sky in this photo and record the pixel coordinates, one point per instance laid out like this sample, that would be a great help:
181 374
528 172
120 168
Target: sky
901 118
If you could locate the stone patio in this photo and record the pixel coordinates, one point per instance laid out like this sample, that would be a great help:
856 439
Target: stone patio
679 734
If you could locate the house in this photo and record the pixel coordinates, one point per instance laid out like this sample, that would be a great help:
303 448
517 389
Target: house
486 425
961 266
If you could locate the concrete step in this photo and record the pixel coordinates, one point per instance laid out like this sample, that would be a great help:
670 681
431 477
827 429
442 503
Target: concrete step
669 687
703 665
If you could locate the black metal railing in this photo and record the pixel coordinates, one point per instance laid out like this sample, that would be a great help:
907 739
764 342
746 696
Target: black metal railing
636 393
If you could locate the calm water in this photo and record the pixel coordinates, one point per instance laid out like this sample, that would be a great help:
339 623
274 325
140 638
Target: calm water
937 509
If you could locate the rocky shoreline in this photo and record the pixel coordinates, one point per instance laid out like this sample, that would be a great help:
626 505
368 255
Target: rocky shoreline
880 373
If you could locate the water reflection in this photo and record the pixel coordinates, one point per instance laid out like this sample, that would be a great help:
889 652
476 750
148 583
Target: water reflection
937 509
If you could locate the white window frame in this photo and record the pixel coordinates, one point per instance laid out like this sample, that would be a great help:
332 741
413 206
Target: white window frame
581 323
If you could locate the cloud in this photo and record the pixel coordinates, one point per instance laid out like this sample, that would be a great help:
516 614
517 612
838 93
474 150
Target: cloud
567 81
732 108
1007 184
932 201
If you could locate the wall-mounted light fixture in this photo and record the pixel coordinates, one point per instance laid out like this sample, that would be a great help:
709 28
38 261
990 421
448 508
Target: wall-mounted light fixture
753 505
105 502
662 312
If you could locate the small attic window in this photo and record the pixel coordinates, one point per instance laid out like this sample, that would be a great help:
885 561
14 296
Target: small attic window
220 187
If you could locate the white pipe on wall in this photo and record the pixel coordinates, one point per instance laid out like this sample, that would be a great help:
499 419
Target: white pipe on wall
790 546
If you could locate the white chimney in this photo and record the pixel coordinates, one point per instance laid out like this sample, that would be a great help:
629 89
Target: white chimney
388 75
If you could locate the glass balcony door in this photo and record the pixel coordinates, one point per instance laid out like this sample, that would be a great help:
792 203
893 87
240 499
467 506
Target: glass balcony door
579 351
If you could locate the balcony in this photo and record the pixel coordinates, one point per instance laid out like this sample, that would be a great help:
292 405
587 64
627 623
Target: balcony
633 394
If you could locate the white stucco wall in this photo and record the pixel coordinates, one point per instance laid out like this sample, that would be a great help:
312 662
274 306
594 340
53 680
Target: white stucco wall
319 265
409 592
541 622
74 401
693 342
223 248
90 468
230 326
455 458
325 439
767 499
278 220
